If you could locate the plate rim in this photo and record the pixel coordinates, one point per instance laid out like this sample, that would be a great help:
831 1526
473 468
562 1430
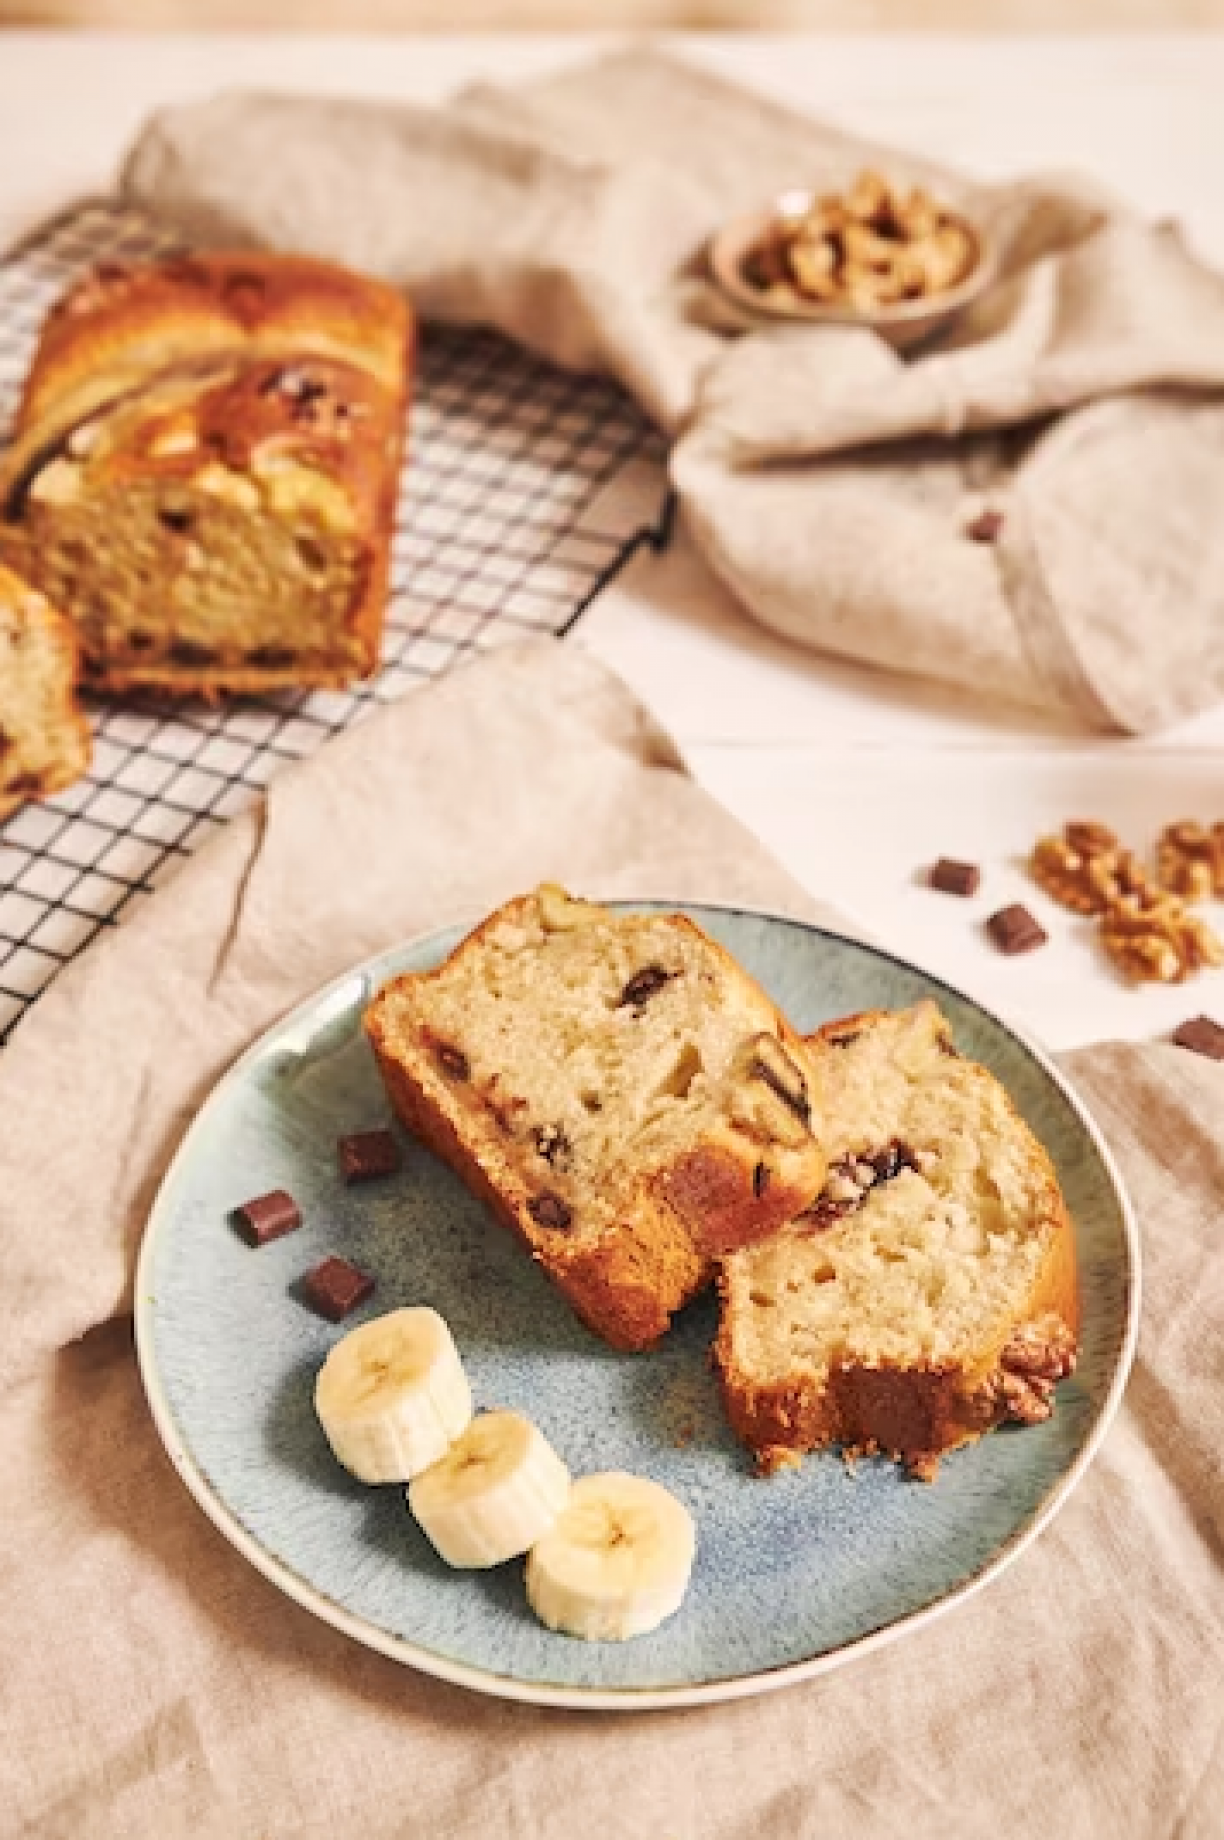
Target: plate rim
620 1699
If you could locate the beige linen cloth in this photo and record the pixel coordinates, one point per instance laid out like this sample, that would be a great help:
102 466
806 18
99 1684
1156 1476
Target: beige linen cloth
153 1684
828 481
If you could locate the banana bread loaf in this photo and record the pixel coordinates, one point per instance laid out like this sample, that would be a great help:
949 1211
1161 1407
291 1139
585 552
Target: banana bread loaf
205 471
930 1293
617 1089
44 738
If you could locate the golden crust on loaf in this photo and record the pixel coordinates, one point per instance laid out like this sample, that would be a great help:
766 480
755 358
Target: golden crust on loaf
931 1293
629 1103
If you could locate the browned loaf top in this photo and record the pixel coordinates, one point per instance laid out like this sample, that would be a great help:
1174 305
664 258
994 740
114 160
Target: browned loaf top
44 738
618 1090
206 467
931 1291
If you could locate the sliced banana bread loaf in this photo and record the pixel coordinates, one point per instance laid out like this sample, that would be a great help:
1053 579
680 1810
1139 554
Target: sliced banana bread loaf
205 471
930 1293
44 738
618 1090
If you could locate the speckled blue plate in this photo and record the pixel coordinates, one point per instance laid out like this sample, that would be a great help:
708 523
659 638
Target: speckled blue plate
793 1575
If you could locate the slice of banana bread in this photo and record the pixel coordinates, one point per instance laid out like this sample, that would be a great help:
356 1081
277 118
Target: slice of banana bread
44 738
930 1293
618 1090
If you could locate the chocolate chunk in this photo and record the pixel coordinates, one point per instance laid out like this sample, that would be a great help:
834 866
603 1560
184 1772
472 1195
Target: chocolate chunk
366 1154
643 985
890 1161
784 1079
272 657
25 782
187 652
952 877
1202 1036
335 1288
1014 930
553 1145
548 1210
453 1061
843 1040
175 515
985 527
268 1217
824 1214
760 1179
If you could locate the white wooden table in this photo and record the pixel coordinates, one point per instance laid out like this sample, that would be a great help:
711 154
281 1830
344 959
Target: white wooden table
856 780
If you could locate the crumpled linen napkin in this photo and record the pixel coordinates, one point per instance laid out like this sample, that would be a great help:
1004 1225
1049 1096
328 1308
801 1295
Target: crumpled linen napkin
830 482
152 1684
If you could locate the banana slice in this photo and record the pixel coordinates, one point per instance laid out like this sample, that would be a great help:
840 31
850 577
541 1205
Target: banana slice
392 1395
616 1561
493 1494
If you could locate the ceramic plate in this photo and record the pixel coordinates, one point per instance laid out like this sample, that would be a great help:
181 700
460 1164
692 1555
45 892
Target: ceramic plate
794 1574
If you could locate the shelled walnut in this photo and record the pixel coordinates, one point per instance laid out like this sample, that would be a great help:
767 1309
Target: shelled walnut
1086 868
1147 929
1153 938
866 248
1190 860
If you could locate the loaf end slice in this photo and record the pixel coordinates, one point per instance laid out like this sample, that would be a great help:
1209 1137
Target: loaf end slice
44 737
931 1292
625 1098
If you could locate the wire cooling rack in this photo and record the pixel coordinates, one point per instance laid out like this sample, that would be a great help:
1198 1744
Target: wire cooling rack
527 490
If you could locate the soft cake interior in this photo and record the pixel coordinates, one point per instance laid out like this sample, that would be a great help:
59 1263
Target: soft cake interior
929 1233
196 525
40 746
177 573
638 1053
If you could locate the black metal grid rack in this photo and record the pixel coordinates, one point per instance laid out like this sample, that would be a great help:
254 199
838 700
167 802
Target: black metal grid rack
527 490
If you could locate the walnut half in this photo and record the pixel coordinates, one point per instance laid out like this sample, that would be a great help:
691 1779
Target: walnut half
1153 938
1086 868
1037 1357
1190 860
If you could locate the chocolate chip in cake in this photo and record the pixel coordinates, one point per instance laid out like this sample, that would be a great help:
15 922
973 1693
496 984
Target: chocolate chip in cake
889 1162
643 985
335 1288
268 1217
952 877
553 1145
843 1040
1014 930
985 527
176 513
548 1210
453 1061
824 1213
188 653
1202 1036
781 1075
760 1179
366 1154
272 657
